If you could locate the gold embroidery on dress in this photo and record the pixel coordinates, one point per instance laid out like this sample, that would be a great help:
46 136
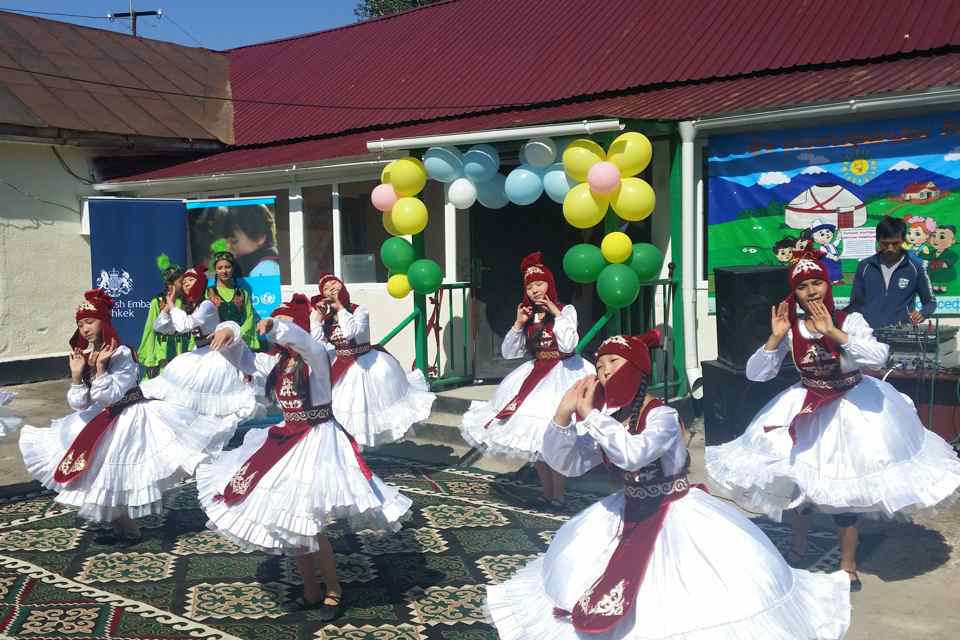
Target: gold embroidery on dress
70 466
239 483
611 604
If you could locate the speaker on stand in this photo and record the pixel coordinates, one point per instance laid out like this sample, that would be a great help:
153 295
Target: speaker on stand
744 296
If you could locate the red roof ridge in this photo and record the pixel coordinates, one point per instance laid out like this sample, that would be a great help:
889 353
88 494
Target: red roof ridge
342 27
43 19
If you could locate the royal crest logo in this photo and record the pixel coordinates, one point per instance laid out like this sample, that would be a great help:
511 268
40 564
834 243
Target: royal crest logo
115 283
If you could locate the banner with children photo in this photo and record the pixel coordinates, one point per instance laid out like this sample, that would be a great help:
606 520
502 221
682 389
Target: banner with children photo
826 188
237 240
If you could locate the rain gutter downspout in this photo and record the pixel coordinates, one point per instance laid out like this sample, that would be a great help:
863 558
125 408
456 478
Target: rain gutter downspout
688 241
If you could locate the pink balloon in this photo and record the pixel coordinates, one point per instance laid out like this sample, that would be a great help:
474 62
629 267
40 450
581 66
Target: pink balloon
603 177
384 197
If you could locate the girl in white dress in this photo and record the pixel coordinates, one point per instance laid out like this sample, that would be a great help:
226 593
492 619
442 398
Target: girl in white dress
117 454
513 422
203 380
283 486
374 399
837 441
659 559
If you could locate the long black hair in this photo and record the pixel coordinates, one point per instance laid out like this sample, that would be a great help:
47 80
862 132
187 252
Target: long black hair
301 376
633 410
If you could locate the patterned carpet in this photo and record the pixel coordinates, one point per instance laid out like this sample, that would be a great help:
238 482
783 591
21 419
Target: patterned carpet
469 529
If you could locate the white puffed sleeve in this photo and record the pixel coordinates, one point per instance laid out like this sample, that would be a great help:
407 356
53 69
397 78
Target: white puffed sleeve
514 344
78 397
316 329
164 323
356 325
629 451
569 453
239 354
764 365
861 345
122 374
565 329
204 318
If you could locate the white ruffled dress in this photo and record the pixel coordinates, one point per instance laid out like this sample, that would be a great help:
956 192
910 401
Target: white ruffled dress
205 381
137 459
10 422
712 575
521 435
376 401
866 452
317 481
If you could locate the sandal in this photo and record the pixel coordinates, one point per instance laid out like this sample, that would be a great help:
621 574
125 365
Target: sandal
329 612
540 502
557 505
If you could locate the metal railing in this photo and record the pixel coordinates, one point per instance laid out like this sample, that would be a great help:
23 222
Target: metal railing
459 364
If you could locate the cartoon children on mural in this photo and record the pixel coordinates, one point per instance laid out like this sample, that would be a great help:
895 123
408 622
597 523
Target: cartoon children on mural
942 268
918 234
827 242
783 249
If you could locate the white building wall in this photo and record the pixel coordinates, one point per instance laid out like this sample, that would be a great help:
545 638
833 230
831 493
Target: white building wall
44 260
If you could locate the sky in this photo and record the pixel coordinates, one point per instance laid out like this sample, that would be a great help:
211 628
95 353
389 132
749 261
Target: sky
216 24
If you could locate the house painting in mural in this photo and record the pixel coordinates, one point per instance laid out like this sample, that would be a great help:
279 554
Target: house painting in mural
921 192
825 203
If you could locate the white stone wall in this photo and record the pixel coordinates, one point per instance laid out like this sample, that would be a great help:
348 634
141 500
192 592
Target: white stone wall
44 260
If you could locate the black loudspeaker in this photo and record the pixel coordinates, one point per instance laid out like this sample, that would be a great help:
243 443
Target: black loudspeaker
730 401
744 296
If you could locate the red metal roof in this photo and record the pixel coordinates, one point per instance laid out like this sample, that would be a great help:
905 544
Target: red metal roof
675 103
472 56
61 49
917 187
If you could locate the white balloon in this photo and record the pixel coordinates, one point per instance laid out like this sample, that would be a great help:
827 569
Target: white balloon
462 193
539 152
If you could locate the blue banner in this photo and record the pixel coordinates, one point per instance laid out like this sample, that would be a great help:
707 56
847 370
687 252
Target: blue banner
126 236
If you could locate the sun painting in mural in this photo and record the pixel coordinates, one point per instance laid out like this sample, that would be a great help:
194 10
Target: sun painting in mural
859 170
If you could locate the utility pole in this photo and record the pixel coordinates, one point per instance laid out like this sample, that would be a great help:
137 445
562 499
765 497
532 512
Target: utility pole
133 15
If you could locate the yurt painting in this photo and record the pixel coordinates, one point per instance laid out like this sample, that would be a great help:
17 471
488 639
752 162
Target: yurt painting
827 203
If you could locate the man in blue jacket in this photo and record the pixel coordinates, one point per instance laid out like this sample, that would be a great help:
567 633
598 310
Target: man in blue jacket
886 284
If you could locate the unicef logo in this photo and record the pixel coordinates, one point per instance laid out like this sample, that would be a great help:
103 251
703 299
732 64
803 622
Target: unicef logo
265 298
115 283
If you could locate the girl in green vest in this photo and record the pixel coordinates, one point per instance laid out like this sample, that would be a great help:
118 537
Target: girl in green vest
233 302
157 349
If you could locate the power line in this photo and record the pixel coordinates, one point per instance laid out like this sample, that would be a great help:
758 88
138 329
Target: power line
185 32
51 13
272 103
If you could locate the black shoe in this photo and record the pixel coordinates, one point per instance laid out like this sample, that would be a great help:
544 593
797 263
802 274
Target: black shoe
855 584
540 502
330 612
112 539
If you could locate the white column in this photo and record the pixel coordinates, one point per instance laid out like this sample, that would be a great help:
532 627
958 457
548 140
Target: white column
688 286
335 209
298 270
449 238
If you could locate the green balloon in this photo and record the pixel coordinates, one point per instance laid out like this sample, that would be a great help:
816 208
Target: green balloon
425 276
646 261
618 286
583 263
397 254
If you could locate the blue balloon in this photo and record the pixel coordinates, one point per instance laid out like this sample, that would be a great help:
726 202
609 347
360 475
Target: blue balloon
443 164
523 185
480 163
491 193
556 182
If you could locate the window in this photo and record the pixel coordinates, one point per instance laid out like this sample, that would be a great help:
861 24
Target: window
317 232
362 232
282 225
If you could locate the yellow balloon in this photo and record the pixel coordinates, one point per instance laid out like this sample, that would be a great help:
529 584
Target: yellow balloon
616 247
398 285
634 200
631 152
409 216
407 175
583 208
579 156
388 224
